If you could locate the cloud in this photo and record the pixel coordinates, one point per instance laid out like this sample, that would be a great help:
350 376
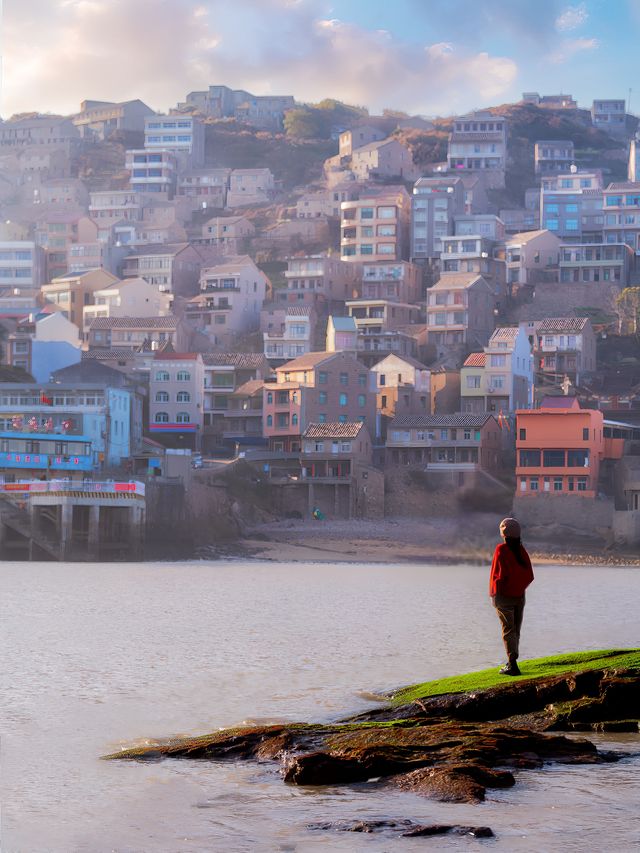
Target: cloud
568 48
572 18
159 50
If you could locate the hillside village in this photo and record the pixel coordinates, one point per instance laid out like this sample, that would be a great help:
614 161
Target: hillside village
323 313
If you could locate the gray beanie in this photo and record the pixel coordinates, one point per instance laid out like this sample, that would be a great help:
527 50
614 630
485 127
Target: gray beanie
510 528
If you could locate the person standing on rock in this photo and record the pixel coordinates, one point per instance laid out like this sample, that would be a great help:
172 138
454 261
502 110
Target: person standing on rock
511 574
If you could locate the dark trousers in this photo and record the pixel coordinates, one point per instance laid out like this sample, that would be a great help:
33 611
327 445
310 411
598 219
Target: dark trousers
510 612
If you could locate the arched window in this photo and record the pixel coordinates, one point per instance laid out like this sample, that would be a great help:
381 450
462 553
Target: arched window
162 376
183 397
183 418
183 376
269 420
162 418
269 397
294 420
162 397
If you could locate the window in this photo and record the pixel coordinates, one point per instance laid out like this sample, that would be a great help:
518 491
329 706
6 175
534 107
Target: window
362 380
322 377
498 361
183 376
523 434
343 399
323 397
162 418
269 420
362 400
582 484
533 484
322 418
529 458
183 418
557 484
444 434
162 376
183 397
473 381
578 459
344 378
366 213
269 397
585 433
162 397
383 379
553 458
294 420
342 419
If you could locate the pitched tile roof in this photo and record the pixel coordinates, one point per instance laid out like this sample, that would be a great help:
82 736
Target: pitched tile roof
242 360
109 354
307 362
176 356
249 388
458 281
562 324
167 322
475 359
333 430
427 421
505 333
627 185
525 236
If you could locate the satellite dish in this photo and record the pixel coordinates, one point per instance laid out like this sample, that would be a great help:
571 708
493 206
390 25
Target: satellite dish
573 168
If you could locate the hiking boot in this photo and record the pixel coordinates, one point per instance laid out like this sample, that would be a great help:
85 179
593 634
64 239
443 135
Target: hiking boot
510 669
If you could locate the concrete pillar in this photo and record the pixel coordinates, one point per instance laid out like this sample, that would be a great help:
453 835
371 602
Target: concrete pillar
93 542
66 529
136 531
311 499
336 501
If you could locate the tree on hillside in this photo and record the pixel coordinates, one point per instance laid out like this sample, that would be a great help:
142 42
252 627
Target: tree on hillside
318 121
628 303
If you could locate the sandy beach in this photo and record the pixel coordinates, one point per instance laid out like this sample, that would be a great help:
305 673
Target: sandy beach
436 540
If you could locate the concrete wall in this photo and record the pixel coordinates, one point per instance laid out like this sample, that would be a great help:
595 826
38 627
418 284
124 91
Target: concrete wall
584 514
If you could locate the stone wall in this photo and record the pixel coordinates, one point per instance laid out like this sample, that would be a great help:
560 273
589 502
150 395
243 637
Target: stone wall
553 299
580 516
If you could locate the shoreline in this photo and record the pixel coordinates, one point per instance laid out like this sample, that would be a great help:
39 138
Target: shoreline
400 540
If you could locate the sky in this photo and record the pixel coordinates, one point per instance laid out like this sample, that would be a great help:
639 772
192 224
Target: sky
428 57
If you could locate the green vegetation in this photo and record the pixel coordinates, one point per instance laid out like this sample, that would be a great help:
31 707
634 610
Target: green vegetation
319 121
537 668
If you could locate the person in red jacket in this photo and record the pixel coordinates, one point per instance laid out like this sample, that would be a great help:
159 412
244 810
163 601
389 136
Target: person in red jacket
511 574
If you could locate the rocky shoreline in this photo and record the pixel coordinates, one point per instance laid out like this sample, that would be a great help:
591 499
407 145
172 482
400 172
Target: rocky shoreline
447 746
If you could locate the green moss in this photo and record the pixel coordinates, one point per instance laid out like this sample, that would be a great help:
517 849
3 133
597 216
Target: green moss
531 669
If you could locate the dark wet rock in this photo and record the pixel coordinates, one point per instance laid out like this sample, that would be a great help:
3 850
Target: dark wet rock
451 747
404 828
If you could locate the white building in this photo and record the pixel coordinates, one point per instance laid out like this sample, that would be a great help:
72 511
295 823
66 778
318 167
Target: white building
478 143
133 297
182 134
295 337
151 171
500 379
250 186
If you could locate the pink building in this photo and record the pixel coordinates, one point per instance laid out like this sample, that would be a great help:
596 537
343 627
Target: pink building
319 387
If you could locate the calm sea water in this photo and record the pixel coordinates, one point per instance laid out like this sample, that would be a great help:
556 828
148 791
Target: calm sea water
99 656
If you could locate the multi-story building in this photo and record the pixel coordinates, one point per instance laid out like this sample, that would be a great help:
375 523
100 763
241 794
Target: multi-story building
435 204
133 297
574 215
48 131
622 214
208 186
403 387
586 262
380 325
519 219
226 373
460 312
259 110
531 257
55 232
321 281
459 444
610 116
562 347
230 300
500 379
559 449
242 423
42 343
478 143
376 226
182 134
138 333
67 428
176 399
22 266
319 387
172 268
357 137
387 158
553 156
115 205
71 292
151 171
400 281
230 234
336 462
574 179
294 337
250 186
550 102
99 119
475 254
479 224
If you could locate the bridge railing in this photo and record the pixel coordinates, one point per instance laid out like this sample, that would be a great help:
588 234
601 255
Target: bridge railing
90 486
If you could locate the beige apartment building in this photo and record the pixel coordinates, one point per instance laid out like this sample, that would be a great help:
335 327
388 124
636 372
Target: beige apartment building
71 292
230 234
460 313
133 297
376 227
319 280
172 268
250 186
387 158
138 333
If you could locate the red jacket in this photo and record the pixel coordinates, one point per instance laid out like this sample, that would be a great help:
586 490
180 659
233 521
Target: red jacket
508 576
